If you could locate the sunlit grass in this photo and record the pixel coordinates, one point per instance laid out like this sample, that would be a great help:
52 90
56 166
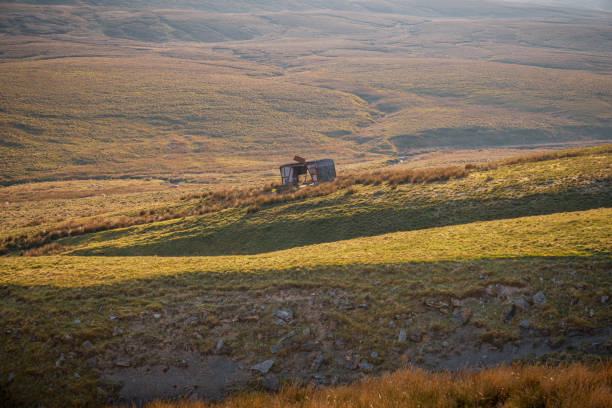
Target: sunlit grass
335 212
128 116
159 116
538 225
583 233
574 386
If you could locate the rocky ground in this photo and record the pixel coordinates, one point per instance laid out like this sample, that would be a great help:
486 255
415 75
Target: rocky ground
262 340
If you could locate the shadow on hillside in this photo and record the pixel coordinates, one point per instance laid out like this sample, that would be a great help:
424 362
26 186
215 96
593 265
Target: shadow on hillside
180 297
415 276
247 238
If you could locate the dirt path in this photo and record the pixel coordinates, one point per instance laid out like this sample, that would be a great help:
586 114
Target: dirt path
208 378
211 377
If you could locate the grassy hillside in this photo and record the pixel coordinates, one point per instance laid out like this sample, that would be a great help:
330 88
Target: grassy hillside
587 234
456 265
567 184
44 297
146 253
164 117
140 117
97 91
37 226
470 8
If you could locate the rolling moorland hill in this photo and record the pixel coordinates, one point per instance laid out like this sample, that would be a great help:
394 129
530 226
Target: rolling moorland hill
447 268
587 4
183 90
433 8
147 253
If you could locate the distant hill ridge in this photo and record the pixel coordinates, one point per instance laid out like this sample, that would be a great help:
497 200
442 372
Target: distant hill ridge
115 88
584 4
433 8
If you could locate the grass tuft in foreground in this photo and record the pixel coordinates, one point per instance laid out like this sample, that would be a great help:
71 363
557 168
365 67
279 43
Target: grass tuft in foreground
518 386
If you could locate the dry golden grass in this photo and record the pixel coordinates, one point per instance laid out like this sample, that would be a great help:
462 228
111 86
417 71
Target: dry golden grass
575 385
218 200
254 198
44 236
77 189
536 157
411 254
160 116
187 109
48 249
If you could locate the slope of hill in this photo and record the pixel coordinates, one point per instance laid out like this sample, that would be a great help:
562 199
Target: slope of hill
507 261
137 118
532 188
145 253
106 91
585 4
431 8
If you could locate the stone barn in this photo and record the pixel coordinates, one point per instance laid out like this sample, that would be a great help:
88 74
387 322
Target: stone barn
319 170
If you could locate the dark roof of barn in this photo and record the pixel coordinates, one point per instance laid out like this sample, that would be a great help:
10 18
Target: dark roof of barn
297 164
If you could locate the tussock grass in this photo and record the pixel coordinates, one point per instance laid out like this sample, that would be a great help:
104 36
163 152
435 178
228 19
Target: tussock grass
567 386
43 295
498 337
585 234
48 249
258 198
197 105
252 198
45 236
236 197
532 158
